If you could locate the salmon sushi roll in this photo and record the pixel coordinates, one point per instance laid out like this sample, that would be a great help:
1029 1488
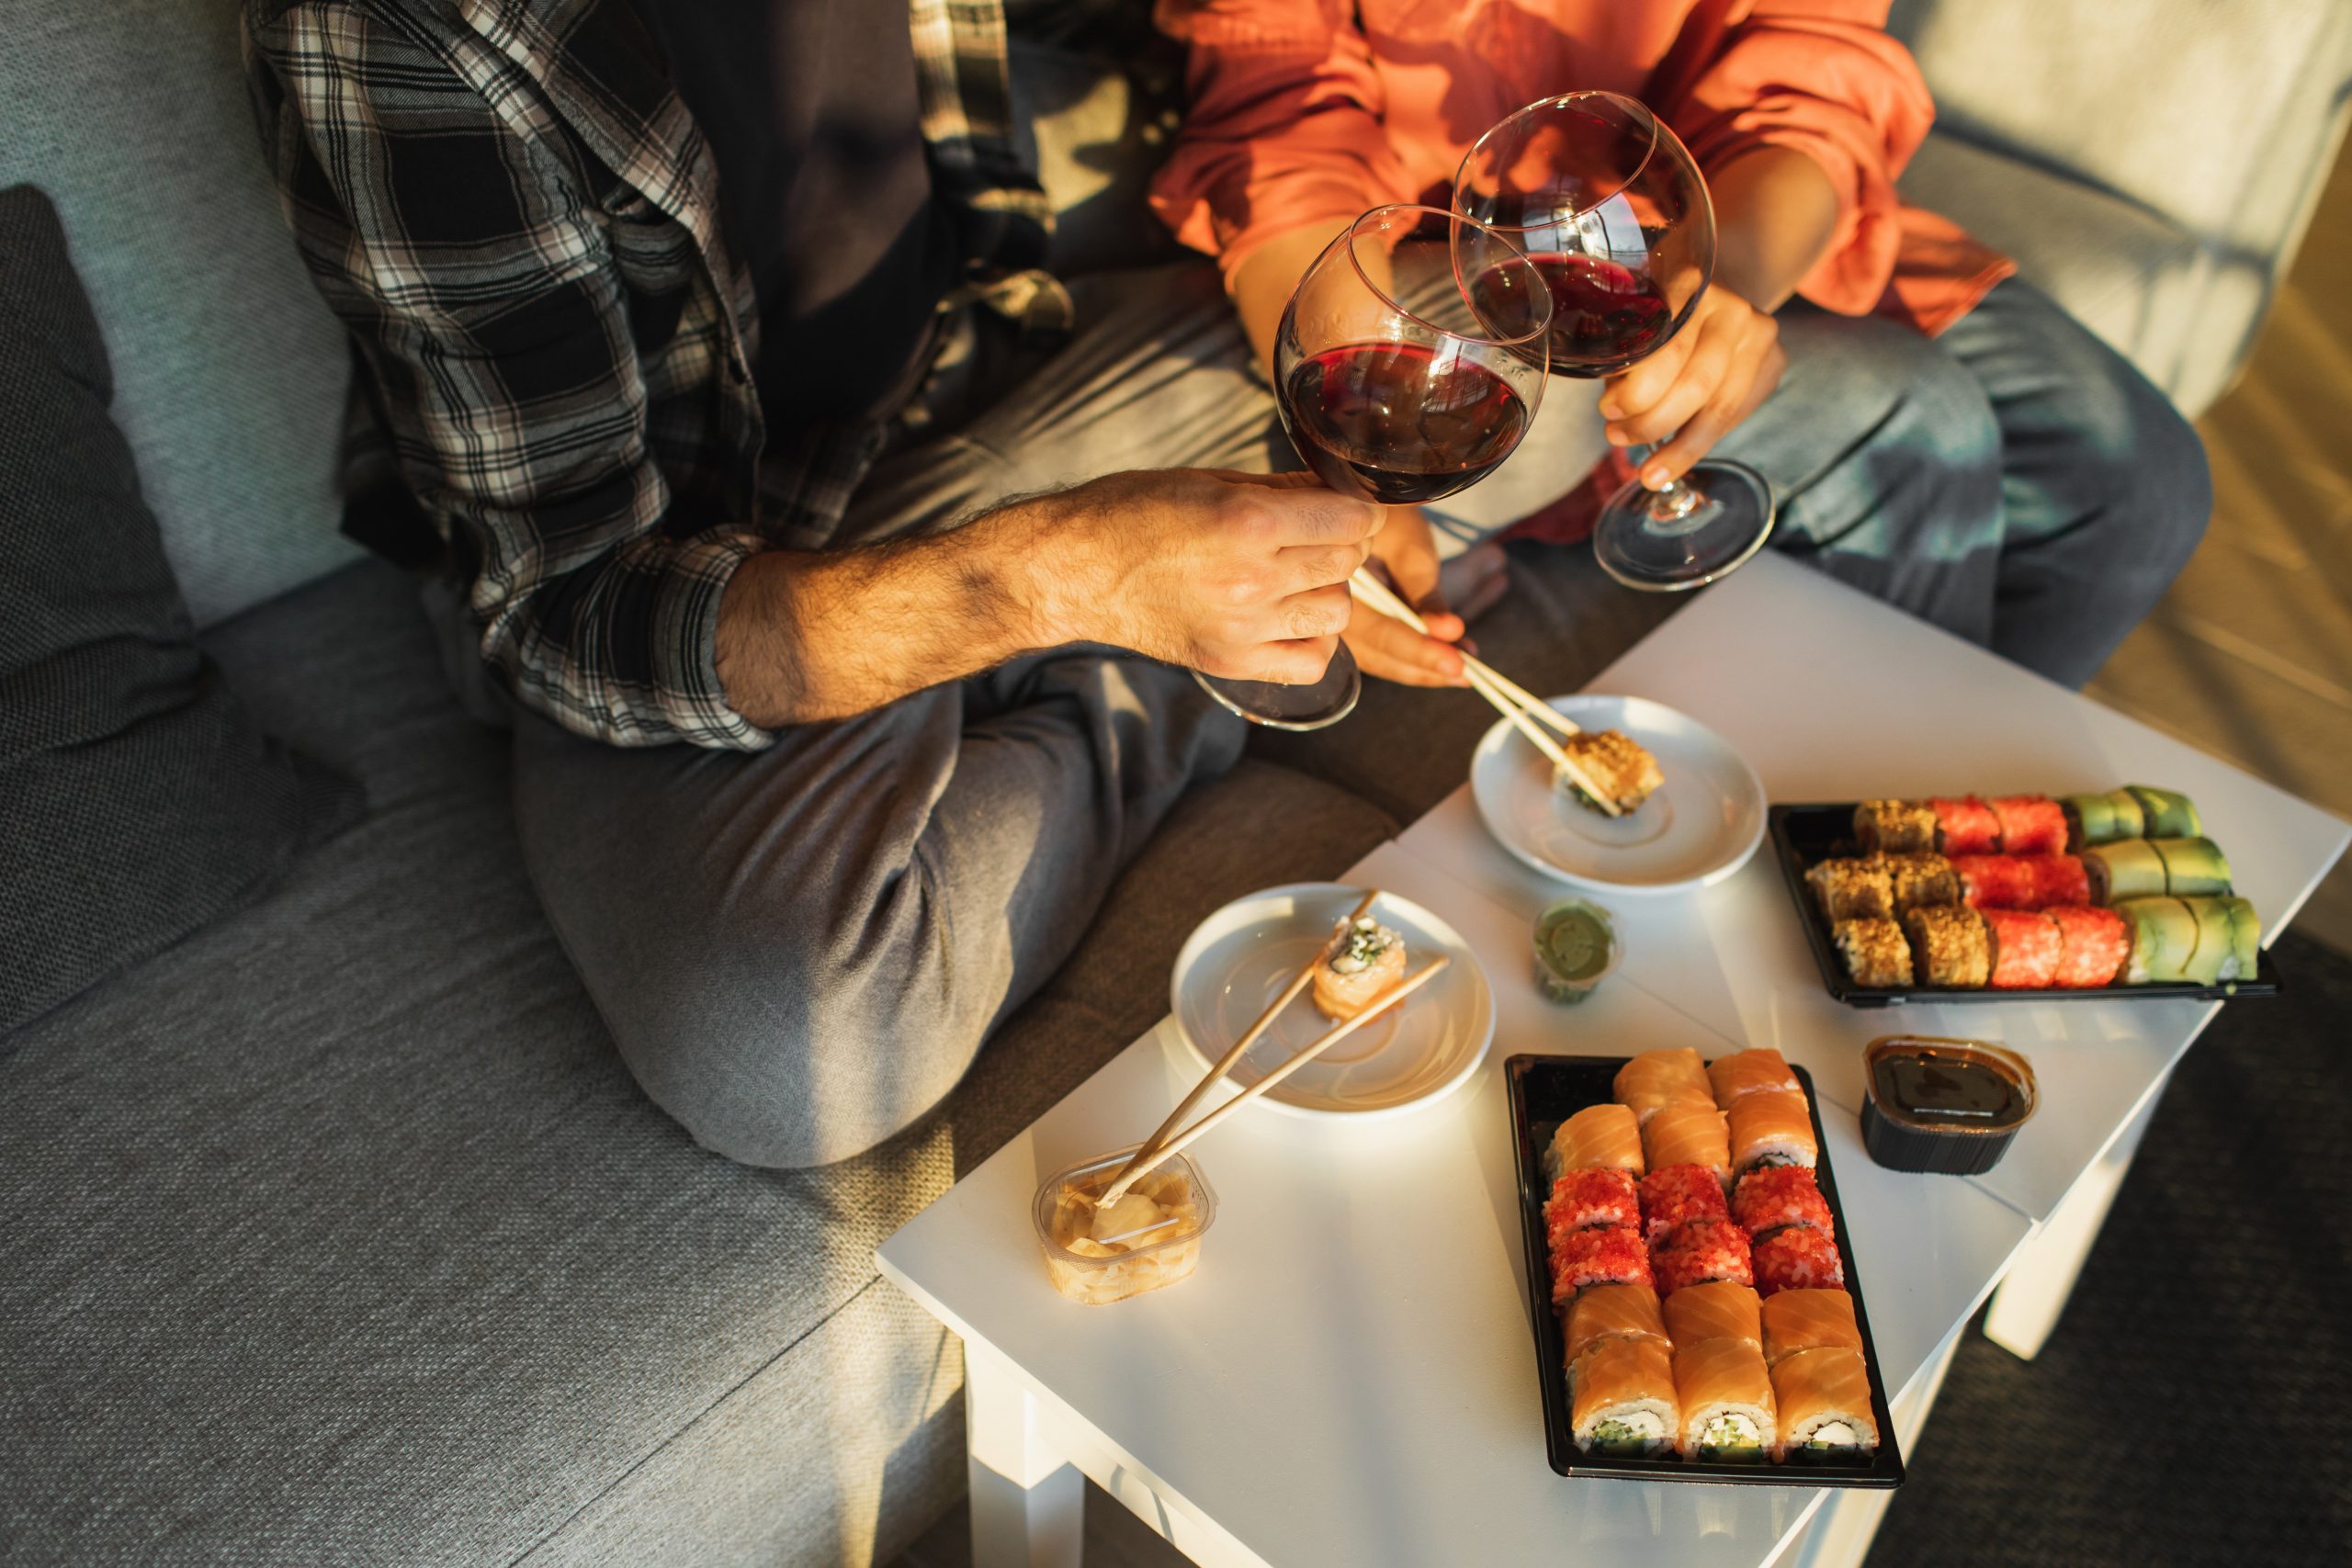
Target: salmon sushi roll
1809 1320
1699 1252
1824 1400
1610 1255
1778 1195
1725 1394
1772 1128
2030 824
1613 1312
1967 826
2093 945
1583 1199
1994 882
1603 1136
2059 879
2028 950
1622 1400
1648 1081
1674 1193
1951 947
1875 952
1852 888
1921 881
1689 1131
1796 1258
1369 959
1896 827
1743 1072
1718 1311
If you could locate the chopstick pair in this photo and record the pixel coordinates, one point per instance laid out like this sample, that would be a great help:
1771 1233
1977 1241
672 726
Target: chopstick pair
1514 702
1159 1146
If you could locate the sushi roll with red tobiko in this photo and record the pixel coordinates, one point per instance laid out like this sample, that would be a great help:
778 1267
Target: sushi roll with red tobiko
1778 1195
1994 882
1607 1255
1583 1199
1967 826
1674 1193
1797 1258
2028 947
2059 879
1700 1252
2094 944
2030 824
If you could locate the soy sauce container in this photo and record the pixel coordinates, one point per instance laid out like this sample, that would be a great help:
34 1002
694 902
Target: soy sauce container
1943 1107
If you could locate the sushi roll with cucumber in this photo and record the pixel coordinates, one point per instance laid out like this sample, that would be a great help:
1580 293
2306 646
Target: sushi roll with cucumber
1622 1401
2194 868
2164 939
2129 868
2165 815
1725 1392
1719 1311
1809 1320
1613 1312
1367 959
2102 819
2246 941
1605 1136
1824 1399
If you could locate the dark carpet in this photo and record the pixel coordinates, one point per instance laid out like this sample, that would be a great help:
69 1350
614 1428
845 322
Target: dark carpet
2195 1404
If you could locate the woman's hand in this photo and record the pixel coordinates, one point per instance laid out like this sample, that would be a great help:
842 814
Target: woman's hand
1709 376
1405 553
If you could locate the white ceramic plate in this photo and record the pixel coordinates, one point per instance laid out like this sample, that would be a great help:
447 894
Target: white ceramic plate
1698 828
1239 959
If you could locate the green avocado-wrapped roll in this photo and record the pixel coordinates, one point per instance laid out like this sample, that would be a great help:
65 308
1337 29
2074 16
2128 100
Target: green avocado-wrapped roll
2102 819
2194 868
2130 868
2216 941
2244 960
2164 939
2168 815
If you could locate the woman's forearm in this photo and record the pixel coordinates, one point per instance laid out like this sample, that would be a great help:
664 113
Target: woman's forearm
1775 211
1261 286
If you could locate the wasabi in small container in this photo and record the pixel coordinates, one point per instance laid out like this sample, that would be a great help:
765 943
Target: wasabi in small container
1575 945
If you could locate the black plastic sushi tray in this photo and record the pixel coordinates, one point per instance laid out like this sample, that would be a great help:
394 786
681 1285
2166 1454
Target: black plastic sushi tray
1545 1091
1803 836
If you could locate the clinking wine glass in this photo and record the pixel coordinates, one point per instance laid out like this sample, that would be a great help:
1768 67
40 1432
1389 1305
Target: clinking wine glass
1610 208
1409 365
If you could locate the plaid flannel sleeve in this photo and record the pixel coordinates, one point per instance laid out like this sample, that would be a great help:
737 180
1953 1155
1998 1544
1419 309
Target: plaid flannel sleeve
439 216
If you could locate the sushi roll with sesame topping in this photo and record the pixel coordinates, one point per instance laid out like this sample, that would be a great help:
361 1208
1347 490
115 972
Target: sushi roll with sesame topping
1852 888
1367 961
1897 827
1951 946
1875 952
1615 763
1921 881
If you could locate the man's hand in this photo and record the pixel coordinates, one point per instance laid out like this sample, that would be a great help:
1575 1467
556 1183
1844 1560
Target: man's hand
1405 553
1236 575
1709 376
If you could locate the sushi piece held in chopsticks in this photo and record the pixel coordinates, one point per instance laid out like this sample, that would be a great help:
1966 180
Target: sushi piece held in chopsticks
1725 1392
1777 1196
2164 813
2129 868
1771 1128
1610 1255
1877 957
1646 1082
2028 949
1967 826
1719 1311
1688 1130
1797 1258
1615 763
1699 1251
1896 827
1613 1312
1368 961
1606 1136
1674 1193
1951 947
1624 1401
1852 887
1583 1199
2093 945
1809 1320
1738 1074
1825 1405
2030 824
1921 881
2102 819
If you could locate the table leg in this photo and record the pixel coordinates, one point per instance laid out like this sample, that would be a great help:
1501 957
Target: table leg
1028 1506
2033 1293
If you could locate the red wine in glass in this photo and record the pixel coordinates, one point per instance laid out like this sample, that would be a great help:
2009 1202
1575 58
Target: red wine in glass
1605 315
1386 419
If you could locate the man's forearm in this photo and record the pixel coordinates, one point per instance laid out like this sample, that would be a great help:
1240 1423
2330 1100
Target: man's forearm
1775 211
807 637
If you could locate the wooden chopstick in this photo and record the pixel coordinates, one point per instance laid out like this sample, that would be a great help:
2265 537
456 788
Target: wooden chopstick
1380 1004
1511 700
1147 1152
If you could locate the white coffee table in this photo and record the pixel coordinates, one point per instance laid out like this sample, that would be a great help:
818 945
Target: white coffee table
1349 1378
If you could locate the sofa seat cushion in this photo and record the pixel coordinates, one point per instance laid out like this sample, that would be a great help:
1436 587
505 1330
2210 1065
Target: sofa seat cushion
339 1233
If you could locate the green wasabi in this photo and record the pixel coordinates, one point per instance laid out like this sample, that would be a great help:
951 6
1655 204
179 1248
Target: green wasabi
1576 944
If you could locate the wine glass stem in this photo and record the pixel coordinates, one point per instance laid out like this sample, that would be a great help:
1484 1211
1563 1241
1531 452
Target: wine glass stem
1672 501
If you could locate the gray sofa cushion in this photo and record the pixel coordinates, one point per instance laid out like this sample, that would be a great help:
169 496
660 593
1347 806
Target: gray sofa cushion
137 799
338 1233
231 375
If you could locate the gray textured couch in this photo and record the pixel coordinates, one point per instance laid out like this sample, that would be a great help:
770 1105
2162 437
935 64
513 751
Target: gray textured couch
338 1234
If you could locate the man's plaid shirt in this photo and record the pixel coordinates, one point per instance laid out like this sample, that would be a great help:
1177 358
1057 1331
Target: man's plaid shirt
509 206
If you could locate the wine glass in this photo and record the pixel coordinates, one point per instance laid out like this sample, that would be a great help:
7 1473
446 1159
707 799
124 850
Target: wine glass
1610 208
1408 364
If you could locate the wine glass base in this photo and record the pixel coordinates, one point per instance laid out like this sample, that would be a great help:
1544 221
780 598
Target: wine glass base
1277 706
1643 546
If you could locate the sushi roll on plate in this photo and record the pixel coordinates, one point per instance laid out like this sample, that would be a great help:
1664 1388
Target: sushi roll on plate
1797 1258
1367 958
1719 1311
1674 1193
1783 1195
1583 1199
1614 762
1610 1255
1896 827
1875 952
1613 1312
1809 1320
1699 1251
1951 946
1725 1394
1605 1136
1852 887
1824 1399
1772 1128
1623 1399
